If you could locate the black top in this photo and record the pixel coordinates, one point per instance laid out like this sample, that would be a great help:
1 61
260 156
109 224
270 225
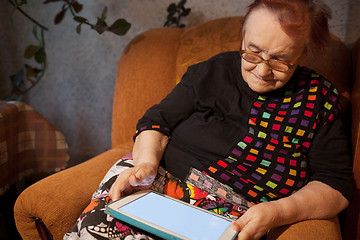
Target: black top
263 146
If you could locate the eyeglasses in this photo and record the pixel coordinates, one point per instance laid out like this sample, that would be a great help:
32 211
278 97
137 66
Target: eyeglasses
274 64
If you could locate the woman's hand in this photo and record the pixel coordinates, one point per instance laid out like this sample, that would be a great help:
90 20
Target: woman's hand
315 200
147 152
137 178
257 221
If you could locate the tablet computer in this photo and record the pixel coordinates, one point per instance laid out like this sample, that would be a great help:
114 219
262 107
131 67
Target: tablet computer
170 218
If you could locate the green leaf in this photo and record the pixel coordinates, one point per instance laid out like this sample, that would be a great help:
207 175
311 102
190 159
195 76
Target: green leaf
186 12
78 28
99 29
80 19
101 23
77 6
30 51
60 16
40 56
170 16
34 31
104 14
181 4
30 72
172 8
120 27
167 23
100 26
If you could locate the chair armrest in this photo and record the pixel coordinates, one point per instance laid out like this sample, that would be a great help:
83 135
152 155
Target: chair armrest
59 199
309 230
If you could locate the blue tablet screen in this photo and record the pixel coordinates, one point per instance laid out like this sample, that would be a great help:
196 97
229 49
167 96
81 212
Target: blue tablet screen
177 217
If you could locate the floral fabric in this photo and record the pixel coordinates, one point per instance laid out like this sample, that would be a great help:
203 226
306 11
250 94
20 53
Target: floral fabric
93 223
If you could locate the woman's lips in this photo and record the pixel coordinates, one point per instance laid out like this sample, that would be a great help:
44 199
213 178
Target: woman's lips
263 79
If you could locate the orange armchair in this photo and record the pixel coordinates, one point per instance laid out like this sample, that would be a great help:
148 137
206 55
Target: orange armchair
149 68
352 223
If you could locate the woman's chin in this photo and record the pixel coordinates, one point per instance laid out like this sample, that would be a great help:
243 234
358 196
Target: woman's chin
261 89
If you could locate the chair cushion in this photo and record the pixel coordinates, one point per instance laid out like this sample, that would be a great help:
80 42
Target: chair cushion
205 40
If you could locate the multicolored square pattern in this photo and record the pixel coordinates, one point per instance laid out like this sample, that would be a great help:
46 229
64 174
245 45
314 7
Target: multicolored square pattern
271 160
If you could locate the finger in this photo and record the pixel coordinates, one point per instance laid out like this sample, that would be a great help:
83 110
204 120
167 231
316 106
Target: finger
240 226
248 233
114 194
240 223
251 231
142 178
243 235
119 186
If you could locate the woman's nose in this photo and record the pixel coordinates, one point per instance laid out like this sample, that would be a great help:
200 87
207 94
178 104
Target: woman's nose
263 69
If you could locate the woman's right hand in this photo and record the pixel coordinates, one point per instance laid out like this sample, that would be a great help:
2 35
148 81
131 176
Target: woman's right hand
136 178
148 150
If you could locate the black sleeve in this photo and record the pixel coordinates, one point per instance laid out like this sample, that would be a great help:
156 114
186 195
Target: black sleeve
330 155
330 159
175 107
199 84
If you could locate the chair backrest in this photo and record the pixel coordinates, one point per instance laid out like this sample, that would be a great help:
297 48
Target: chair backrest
146 73
352 223
355 102
154 62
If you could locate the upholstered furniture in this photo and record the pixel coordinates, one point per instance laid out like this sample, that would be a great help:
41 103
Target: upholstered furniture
149 68
352 223
29 144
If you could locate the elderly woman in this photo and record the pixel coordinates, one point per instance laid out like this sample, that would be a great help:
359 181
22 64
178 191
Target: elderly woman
253 123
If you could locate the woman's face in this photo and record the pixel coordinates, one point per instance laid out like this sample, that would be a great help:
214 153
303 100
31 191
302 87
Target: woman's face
263 35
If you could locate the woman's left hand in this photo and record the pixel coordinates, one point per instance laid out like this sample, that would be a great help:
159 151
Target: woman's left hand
315 200
257 221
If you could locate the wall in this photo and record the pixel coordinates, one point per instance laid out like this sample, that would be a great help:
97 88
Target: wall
77 90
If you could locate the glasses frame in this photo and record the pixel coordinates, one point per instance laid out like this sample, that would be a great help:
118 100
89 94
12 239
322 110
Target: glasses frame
262 60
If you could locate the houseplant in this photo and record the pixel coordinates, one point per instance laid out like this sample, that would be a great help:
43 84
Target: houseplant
29 76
